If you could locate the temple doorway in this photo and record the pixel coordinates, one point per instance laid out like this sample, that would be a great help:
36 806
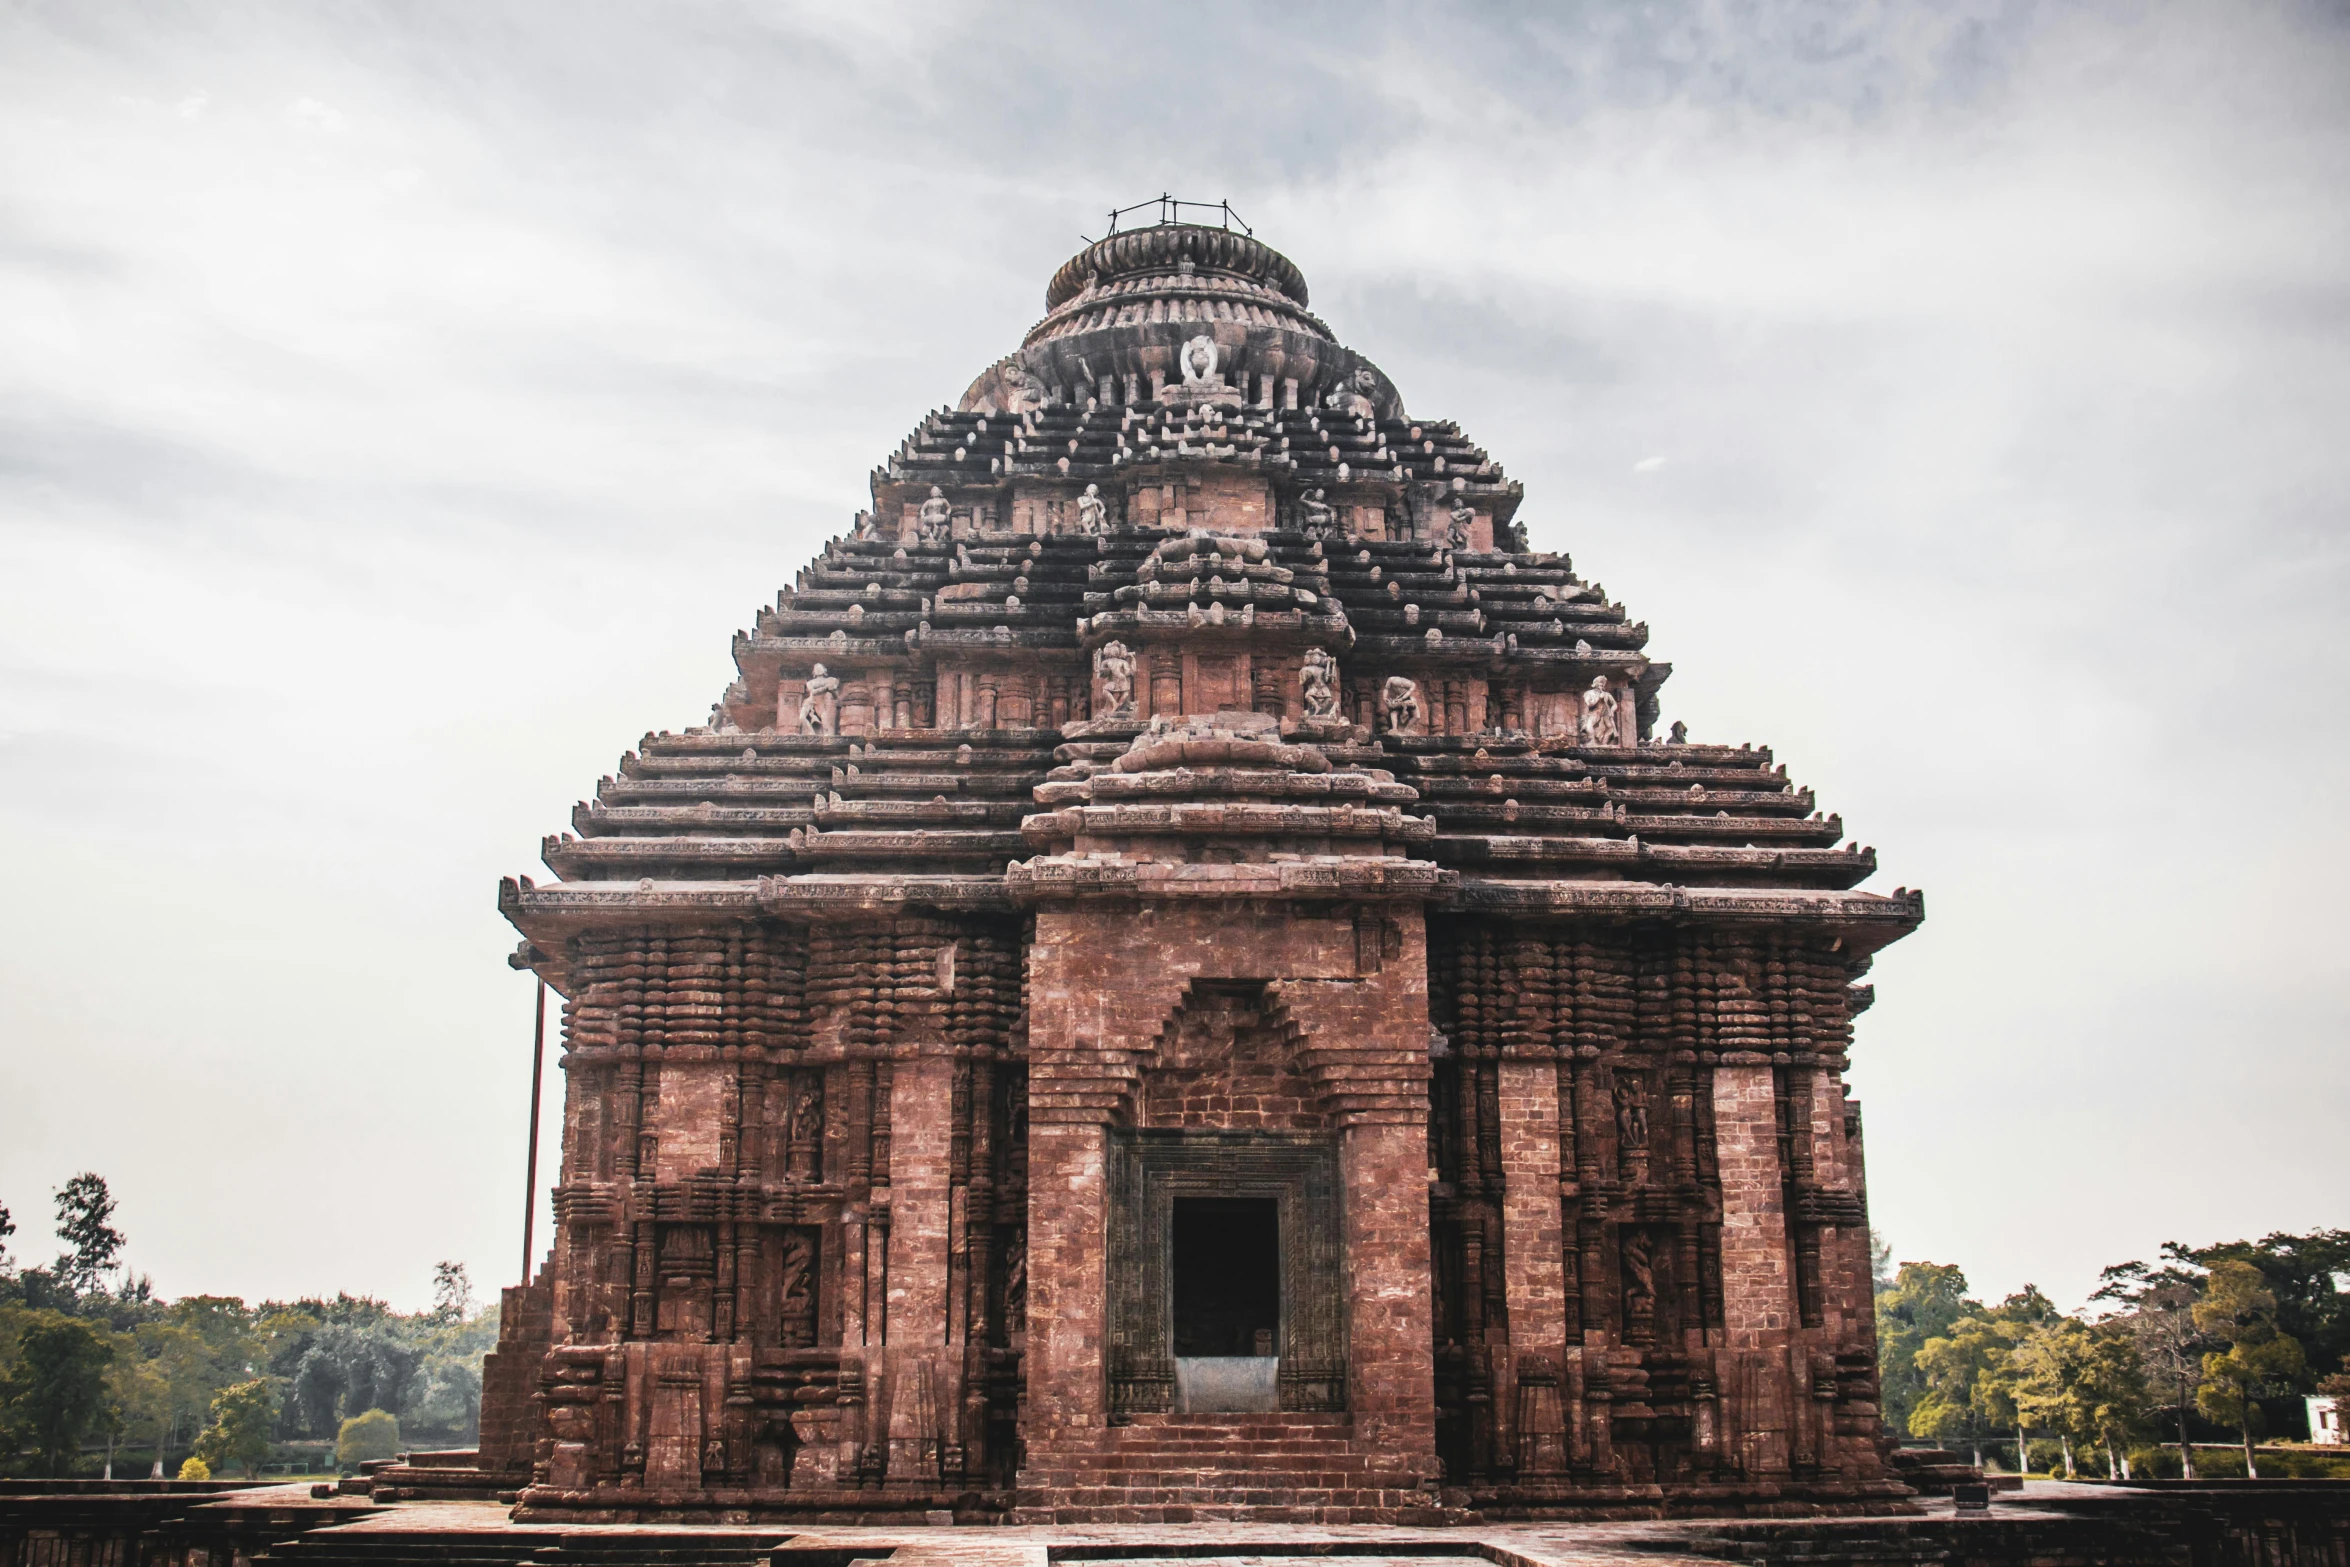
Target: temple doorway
1227 1284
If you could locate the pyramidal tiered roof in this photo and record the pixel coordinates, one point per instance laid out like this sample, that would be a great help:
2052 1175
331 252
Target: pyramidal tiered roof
1182 498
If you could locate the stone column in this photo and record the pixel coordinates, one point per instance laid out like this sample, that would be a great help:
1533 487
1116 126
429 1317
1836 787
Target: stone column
1758 1283
1067 1235
1532 1256
1391 1357
921 1134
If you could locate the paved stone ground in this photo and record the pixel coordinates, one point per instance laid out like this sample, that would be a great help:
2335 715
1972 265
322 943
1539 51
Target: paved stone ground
1250 1545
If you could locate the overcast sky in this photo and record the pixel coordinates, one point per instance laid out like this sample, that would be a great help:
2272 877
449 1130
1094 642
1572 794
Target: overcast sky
401 406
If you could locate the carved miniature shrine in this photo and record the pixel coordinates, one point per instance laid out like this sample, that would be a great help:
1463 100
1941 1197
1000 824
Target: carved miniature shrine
1184 979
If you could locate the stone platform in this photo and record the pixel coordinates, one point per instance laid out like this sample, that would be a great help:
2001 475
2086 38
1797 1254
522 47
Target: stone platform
2174 1524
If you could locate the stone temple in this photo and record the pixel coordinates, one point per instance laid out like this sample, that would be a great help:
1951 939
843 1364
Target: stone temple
1186 979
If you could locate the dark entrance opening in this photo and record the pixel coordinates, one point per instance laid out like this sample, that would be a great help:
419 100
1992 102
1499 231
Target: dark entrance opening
1227 1284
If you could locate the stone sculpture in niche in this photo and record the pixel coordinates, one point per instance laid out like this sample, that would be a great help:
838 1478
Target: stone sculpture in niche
1113 666
1464 517
1631 1130
935 520
1599 723
1316 516
1401 698
1199 362
799 1290
1317 681
1092 515
1639 1285
820 707
1016 1284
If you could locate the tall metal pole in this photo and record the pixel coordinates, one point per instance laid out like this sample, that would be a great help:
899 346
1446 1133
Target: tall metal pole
530 1177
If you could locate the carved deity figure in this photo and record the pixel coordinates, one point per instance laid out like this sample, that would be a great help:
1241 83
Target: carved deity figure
1639 1279
1401 698
1022 389
1113 666
1464 517
1317 681
935 520
1092 515
1680 734
1015 1284
1599 724
820 708
799 1290
806 1131
1631 1130
1316 516
1199 362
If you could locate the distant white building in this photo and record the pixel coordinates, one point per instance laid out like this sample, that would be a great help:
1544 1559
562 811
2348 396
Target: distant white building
2325 1420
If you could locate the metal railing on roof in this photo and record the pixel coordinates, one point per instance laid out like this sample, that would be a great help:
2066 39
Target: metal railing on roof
1171 210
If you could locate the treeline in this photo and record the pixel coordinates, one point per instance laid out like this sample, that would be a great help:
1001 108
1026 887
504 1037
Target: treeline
2216 1342
96 1372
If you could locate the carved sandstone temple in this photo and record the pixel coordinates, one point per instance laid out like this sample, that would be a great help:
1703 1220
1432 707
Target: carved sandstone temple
1182 981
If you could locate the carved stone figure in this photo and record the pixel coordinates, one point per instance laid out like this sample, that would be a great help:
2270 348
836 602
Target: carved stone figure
1317 681
1464 517
806 1131
820 708
1599 722
1016 1284
1639 1277
1199 362
1113 666
1023 390
1401 698
935 520
799 1290
1092 514
1632 1119
1316 516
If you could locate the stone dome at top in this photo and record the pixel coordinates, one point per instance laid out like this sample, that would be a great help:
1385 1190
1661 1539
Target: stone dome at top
1124 308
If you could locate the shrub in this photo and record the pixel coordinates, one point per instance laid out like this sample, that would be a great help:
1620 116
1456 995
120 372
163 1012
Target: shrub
375 1434
193 1468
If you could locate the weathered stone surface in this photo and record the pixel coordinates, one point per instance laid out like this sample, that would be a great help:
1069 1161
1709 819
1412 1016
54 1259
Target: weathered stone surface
1186 784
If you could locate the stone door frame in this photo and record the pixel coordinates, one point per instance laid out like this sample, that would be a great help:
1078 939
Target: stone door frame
1299 1171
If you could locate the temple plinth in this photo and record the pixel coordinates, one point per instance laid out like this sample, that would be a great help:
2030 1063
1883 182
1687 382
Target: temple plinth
1182 981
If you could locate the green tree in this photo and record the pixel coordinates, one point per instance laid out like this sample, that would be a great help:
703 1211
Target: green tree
7 1228
375 1434
92 1243
2157 1310
1924 1299
1969 1379
452 1292
55 1391
2240 1310
239 1433
2301 1270
2084 1383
